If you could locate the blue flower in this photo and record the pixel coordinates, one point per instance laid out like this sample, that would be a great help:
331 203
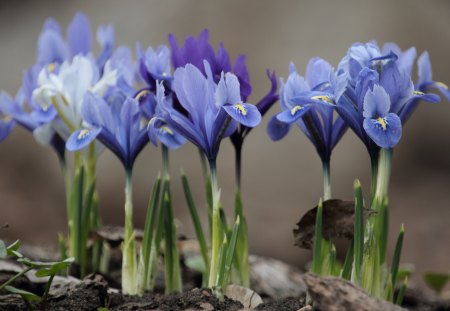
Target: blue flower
154 65
158 129
365 66
213 111
382 126
116 124
309 103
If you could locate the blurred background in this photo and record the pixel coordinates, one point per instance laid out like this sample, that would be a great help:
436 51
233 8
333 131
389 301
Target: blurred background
281 180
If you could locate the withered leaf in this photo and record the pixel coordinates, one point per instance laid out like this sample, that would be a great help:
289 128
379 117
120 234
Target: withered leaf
336 294
337 222
113 235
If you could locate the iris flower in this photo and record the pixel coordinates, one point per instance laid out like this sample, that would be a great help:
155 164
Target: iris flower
60 94
213 110
308 103
362 68
196 51
117 126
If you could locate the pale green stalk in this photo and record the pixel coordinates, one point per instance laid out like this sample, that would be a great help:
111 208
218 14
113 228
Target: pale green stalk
129 285
216 227
326 180
172 266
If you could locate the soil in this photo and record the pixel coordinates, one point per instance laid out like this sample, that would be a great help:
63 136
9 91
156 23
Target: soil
96 291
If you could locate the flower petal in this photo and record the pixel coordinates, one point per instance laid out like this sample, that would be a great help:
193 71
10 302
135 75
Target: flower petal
158 130
79 35
81 138
376 102
386 131
277 129
245 114
292 115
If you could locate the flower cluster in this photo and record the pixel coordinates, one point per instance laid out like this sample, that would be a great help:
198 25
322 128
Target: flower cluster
84 103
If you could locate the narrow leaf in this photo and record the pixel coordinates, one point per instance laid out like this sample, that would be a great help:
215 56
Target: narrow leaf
230 252
150 220
317 244
3 251
28 296
359 231
196 220
396 259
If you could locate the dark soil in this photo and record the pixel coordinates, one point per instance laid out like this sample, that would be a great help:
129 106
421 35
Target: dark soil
92 293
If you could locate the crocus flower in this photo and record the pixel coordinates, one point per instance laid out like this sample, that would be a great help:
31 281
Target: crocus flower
213 110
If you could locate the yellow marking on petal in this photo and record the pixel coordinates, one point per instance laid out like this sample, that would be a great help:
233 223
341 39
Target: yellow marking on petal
295 109
382 122
442 85
418 93
150 122
141 94
323 98
241 109
51 67
167 130
83 134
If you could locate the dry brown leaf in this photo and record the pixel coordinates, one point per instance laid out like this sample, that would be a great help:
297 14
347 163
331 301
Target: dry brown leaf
337 222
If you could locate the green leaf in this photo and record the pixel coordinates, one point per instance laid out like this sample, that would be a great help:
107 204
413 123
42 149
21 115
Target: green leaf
404 271
346 270
436 280
231 249
401 292
3 251
358 238
46 265
196 220
396 260
317 244
54 268
12 250
24 294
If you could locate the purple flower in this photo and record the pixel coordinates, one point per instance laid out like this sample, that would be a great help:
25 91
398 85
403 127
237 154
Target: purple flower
213 110
195 51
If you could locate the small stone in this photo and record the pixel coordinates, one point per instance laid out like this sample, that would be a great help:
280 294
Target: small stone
206 306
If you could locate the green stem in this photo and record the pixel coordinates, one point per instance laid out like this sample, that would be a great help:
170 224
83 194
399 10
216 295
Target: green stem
173 275
47 290
326 180
18 275
374 174
216 230
68 187
207 181
129 285
383 173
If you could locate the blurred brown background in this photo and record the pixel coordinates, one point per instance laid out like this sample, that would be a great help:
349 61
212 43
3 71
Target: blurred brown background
280 180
